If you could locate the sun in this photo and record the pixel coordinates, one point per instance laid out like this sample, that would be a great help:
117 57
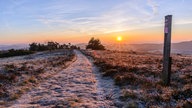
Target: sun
119 38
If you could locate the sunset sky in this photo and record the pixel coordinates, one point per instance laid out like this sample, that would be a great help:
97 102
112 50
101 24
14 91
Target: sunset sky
76 21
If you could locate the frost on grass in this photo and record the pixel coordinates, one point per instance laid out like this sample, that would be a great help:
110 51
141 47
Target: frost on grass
136 75
19 74
139 76
79 85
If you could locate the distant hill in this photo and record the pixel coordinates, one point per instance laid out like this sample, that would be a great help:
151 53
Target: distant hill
14 46
180 48
82 45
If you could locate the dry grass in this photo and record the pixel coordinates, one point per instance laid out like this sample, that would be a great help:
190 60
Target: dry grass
138 71
18 77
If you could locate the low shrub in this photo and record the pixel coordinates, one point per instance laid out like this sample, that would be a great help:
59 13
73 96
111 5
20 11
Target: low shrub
110 72
128 78
128 95
32 79
14 97
13 52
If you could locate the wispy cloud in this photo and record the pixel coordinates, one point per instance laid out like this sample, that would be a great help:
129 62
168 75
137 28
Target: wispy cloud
183 22
80 18
154 6
122 17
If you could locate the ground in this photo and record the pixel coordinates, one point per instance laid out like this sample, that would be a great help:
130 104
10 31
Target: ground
138 74
79 85
95 79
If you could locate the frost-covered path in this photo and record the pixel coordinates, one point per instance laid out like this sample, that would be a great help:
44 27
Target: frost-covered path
80 85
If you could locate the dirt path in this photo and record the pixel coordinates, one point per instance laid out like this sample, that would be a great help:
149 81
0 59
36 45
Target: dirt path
80 85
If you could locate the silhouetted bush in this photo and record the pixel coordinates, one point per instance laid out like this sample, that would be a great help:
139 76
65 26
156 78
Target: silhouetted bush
95 44
13 52
36 47
33 47
50 46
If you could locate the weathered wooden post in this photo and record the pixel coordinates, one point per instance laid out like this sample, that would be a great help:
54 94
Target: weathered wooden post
166 53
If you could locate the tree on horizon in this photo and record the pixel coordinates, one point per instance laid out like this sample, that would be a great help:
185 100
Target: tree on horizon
95 44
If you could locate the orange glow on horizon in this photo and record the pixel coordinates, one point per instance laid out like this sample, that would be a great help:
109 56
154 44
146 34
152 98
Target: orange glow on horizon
148 35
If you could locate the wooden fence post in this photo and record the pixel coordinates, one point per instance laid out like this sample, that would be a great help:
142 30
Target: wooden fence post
166 52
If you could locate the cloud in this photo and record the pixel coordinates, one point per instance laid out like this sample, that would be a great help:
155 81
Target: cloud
154 6
126 16
183 22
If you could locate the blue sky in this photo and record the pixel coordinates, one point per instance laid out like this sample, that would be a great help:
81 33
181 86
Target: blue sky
22 18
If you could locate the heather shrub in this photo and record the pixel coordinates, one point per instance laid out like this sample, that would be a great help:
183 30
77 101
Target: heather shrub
141 72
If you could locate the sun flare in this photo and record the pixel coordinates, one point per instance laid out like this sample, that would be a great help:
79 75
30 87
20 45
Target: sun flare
119 38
